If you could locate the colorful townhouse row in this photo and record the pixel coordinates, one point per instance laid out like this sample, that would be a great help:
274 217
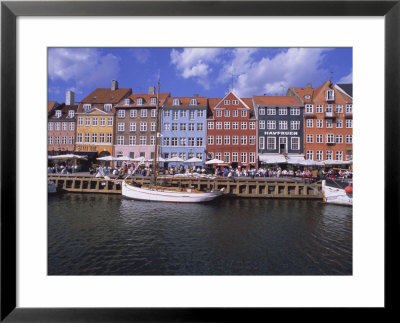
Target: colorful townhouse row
307 123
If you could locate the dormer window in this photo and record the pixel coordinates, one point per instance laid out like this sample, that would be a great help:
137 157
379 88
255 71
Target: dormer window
175 102
227 102
71 113
140 101
107 107
58 114
127 101
153 101
307 97
330 95
193 102
87 107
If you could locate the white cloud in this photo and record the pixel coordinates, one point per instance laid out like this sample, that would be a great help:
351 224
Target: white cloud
82 66
346 79
141 55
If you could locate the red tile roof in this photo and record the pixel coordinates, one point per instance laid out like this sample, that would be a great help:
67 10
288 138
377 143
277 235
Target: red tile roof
146 100
51 105
185 102
106 95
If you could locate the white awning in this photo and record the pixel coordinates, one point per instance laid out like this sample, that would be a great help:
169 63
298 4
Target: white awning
294 159
272 159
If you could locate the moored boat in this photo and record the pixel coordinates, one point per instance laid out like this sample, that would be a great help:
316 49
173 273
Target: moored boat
336 195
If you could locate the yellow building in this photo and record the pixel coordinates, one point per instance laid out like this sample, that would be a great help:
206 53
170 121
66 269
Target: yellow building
95 126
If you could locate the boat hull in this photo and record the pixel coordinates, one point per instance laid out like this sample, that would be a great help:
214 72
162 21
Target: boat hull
337 196
166 195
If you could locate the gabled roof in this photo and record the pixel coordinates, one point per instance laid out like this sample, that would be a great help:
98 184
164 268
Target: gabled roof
275 100
185 102
106 95
146 100
247 102
51 105
64 111
347 88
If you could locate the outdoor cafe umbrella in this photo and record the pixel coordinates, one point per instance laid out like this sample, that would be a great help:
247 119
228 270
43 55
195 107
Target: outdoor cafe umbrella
334 162
310 162
214 161
193 160
159 159
107 158
175 159
67 157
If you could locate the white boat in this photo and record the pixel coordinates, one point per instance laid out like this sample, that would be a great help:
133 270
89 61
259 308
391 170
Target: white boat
167 194
52 188
336 195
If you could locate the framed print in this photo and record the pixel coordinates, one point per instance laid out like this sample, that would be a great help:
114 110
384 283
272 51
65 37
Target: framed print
31 287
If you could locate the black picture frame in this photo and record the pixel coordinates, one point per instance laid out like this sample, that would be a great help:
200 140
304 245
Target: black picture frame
10 10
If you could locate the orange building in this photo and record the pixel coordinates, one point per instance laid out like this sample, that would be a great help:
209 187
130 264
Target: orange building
95 120
328 121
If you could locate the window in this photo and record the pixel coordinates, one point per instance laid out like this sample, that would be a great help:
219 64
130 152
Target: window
63 140
94 137
218 113
143 113
94 122
50 140
310 154
227 102
199 141
183 126
139 101
70 140
175 115
192 115
234 113
153 126
132 140
243 113
235 102
320 123
218 155
261 143
174 127
349 156
183 113
271 124
121 126
295 111
109 138
235 125
235 140
191 142
320 155
243 140
226 157
175 102
133 113
307 97
56 140
127 101
227 113
210 140
87 121
101 137
320 139
349 123
310 139
210 125
309 123
234 157
182 142
200 127
243 125
339 108
309 108
295 125
218 125
349 108
339 123
71 126
295 143
79 138
271 111
330 95
252 125
252 140
339 155
142 140
121 113
109 122
57 126
182 155
174 141
166 141
243 157
349 139
50 126
71 113
64 126
227 140
261 111
107 107
87 137
218 140
283 125
132 126
200 113
153 113
86 107
143 126
80 121
283 111
261 124
153 101
227 125
330 138
167 126
339 139
329 123
319 108
167 113
193 102
191 126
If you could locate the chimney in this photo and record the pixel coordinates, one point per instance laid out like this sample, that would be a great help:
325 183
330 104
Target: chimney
309 86
114 85
195 95
69 98
152 90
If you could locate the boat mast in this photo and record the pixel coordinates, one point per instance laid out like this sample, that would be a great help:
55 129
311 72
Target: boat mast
157 130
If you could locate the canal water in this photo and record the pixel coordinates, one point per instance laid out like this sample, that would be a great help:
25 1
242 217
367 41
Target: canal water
99 234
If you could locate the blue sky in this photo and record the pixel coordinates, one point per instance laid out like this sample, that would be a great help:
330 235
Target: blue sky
187 71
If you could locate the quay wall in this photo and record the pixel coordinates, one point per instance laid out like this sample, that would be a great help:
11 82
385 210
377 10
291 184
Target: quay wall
240 187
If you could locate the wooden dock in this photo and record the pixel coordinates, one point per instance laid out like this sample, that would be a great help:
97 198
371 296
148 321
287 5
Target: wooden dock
240 187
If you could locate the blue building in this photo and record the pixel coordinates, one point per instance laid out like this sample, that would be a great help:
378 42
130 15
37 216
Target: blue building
280 129
183 128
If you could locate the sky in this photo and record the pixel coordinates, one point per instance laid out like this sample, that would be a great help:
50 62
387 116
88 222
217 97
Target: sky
210 72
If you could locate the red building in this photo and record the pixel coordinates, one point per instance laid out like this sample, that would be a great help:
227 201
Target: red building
328 122
232 131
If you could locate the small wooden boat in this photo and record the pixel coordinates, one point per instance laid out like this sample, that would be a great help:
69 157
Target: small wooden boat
336 195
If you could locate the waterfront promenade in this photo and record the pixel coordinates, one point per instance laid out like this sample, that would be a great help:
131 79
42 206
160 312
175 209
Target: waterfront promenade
257 187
